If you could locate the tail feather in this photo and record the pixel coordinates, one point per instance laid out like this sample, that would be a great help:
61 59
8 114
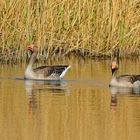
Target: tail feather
64 72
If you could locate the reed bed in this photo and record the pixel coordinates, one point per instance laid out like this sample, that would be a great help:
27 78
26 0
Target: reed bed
87 28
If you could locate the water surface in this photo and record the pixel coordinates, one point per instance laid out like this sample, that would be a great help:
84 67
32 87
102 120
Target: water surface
80 107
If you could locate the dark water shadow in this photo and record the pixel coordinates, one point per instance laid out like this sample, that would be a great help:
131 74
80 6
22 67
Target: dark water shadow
12 78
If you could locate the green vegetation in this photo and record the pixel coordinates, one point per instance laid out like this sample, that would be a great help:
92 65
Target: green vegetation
92 28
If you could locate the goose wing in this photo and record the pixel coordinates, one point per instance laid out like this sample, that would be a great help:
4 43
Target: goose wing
49 70
129 78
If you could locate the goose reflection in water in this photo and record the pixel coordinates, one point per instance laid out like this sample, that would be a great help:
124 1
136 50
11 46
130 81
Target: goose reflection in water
124 90
115 91
34 87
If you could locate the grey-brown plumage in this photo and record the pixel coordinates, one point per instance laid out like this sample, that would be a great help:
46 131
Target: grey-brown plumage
48 70
130 78
43 72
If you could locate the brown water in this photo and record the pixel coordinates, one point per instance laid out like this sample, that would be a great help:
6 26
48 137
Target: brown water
81 107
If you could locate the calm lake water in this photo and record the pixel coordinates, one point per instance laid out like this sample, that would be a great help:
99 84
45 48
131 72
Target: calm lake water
80 107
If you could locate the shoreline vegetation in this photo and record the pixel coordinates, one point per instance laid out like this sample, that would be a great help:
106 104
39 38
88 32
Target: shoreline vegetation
85 28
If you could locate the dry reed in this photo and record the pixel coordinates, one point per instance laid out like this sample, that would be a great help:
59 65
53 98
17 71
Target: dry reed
62 27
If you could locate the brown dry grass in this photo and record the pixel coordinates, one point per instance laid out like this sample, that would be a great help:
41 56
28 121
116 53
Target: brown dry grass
83 27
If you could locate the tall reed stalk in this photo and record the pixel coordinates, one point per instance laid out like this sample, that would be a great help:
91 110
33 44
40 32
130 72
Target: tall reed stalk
61 27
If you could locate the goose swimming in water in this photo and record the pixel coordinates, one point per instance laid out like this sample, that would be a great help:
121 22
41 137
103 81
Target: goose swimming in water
123 80
43 72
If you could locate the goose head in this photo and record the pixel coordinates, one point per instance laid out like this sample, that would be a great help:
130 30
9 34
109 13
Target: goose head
32 48
114 67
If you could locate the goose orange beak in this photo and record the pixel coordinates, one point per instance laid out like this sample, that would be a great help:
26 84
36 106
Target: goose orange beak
114 65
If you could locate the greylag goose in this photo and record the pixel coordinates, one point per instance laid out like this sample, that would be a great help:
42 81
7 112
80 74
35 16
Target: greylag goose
43 72
123 80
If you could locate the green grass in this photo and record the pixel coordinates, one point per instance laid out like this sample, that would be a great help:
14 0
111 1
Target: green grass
90 28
